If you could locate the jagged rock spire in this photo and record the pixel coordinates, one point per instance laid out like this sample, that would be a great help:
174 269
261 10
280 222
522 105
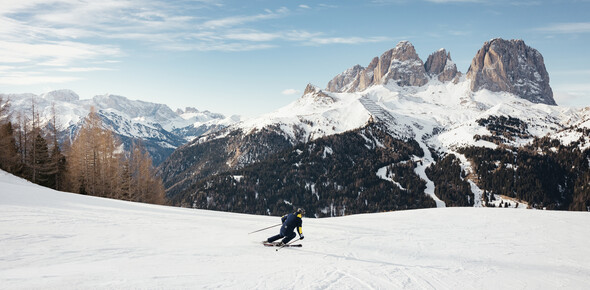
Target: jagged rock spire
440 65
400 65
500 65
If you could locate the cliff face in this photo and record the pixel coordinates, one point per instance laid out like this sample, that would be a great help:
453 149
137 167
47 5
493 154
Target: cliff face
440 65
499 66
400 65
344 80
511 66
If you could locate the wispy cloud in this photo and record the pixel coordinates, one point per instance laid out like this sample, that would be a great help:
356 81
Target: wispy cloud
346 40
31 78
240 20
52 53
42 40
218 46
84 69
455 1
98 25
485 2
252 35
290 92
566 28
70 35
574 95
299 36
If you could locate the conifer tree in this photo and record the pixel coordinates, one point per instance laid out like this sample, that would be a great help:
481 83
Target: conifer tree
57 162
40 165
31 163
9 159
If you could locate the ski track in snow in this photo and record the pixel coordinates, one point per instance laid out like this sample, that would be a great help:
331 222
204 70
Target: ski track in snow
420 169
55 240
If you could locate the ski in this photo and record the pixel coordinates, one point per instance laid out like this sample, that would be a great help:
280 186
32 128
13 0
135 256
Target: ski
276 245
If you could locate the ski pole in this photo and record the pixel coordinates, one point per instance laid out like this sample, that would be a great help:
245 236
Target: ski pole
295 240
265 228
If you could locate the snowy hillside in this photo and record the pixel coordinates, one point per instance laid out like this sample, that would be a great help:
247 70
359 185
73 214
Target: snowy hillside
56 240
443 115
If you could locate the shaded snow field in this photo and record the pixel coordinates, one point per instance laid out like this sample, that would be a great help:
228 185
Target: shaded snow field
55 240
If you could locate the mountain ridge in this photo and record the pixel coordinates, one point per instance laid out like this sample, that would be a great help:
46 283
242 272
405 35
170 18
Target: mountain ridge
161 129
443 117
499 66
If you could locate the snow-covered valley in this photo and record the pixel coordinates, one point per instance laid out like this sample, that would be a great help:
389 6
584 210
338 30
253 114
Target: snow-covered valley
56 240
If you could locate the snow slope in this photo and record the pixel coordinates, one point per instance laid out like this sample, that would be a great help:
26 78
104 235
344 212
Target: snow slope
441 116
56 240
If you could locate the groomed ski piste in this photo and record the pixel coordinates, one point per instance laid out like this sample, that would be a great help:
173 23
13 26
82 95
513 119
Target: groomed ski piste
57 240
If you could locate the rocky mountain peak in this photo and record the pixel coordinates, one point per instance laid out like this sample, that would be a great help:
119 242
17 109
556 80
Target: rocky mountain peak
310 89
403 51
317 94
400 65
187 110
500 65
344 79
440 65
64 95
511 66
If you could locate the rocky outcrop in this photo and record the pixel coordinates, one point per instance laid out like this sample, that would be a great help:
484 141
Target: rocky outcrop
511 66
317 95
366 77
400 65
440 65
499 66
61 96
341 81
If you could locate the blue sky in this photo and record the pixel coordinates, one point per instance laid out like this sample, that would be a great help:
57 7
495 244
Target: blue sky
252 57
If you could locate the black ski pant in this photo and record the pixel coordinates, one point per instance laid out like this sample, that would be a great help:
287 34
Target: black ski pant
286 238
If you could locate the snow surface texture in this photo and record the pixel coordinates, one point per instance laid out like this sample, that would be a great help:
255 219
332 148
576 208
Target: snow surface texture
56 240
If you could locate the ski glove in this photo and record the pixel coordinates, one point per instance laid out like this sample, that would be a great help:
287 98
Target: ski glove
301 237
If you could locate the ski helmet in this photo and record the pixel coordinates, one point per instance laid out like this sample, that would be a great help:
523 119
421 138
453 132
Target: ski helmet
301 211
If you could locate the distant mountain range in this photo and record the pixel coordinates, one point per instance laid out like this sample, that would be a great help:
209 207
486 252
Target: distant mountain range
399 133
161 129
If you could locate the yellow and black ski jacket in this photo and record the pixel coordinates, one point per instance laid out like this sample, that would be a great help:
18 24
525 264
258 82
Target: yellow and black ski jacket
290 222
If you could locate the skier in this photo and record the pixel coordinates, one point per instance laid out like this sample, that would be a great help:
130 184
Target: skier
290 222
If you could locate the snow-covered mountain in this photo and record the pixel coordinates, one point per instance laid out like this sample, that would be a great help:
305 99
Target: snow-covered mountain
161 129
57 240
510 107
